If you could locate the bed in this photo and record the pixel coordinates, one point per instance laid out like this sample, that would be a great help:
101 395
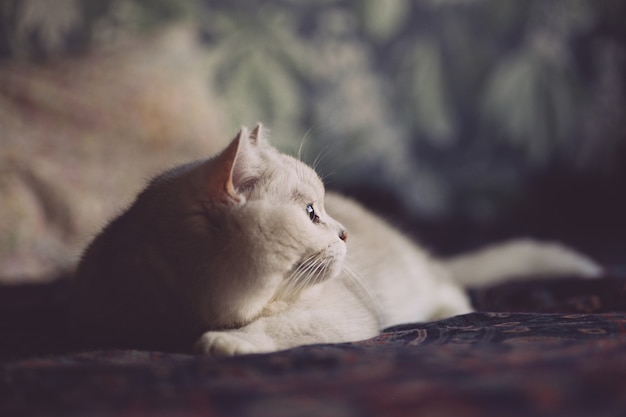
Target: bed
543 347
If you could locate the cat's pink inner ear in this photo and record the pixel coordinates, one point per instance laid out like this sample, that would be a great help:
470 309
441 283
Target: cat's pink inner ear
221 186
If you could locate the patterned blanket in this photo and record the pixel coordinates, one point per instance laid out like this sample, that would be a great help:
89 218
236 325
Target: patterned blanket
554 348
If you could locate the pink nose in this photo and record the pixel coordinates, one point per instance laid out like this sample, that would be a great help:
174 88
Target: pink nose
343 235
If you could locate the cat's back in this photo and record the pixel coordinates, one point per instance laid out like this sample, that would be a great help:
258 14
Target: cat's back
406 282
117 298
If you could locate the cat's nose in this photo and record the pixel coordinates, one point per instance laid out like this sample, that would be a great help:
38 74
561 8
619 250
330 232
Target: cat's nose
343 234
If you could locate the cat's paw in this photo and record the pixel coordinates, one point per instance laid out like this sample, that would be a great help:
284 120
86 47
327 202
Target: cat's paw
221 344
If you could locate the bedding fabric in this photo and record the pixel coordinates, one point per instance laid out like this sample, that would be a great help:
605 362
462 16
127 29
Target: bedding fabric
554 348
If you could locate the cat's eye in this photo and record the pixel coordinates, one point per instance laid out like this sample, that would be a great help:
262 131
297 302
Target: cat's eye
311 212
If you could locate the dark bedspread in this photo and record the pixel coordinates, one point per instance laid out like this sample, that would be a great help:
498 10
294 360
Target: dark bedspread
554 348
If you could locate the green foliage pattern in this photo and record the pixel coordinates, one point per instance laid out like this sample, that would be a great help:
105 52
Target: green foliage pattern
430 99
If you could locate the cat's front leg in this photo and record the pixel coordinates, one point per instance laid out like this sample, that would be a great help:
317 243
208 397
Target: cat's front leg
223 343
242 341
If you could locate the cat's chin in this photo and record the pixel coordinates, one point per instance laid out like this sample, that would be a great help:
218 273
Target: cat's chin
308 272
326 272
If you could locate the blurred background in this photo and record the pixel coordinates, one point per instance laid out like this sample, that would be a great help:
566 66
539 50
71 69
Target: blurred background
461 121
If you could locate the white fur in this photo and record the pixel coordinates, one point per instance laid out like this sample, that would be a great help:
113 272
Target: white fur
226 247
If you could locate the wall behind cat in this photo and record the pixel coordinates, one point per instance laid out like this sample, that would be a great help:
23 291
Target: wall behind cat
462 121
83 132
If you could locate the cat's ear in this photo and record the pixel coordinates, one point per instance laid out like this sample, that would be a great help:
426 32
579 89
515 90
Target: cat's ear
235 169
257 136
220 178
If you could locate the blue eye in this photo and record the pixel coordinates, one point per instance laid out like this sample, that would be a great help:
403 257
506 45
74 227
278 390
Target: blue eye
311 212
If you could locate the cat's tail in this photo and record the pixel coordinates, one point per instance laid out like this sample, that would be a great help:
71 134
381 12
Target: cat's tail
521 258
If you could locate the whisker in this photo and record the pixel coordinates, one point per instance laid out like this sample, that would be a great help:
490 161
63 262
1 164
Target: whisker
304 139
301 277
361 286
295 281
298 281
318 269
285 289
327 175
321 156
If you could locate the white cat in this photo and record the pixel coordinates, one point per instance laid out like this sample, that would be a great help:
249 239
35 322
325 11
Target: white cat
245 252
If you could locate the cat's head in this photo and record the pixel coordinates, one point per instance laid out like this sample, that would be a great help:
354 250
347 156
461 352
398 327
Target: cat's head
245 228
